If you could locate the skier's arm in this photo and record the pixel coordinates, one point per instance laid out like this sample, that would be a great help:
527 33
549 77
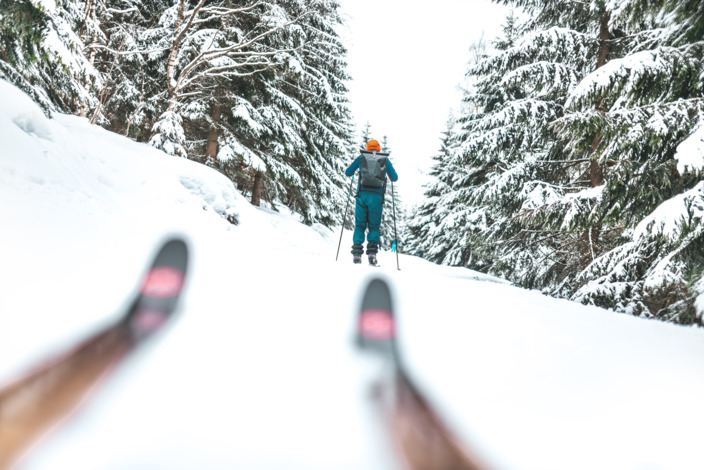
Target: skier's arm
353 167
390 170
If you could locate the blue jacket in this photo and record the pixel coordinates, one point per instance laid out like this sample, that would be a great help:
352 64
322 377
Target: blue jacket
389 171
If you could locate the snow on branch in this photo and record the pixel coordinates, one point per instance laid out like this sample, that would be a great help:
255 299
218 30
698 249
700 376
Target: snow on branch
206 60
626 132
690 153
636 272
543 79
554 45
630 81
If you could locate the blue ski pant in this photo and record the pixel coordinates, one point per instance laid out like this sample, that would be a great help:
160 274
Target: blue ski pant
367 214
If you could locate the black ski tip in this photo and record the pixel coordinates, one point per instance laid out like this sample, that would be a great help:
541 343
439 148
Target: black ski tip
376 325
174 252
377 295
160 289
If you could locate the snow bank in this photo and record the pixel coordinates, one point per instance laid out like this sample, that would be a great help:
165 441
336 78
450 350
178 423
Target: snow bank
75 194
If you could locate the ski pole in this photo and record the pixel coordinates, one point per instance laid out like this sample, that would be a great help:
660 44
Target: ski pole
393 203
344 221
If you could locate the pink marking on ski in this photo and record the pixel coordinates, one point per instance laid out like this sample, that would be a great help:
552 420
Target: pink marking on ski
377 324
148 320
162 282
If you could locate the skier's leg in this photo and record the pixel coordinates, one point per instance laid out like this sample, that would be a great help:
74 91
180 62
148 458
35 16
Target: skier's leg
360 225
374 203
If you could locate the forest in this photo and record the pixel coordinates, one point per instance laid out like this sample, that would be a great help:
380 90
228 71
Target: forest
573 167
255 89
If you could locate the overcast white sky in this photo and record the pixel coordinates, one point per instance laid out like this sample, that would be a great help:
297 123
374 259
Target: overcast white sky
406 60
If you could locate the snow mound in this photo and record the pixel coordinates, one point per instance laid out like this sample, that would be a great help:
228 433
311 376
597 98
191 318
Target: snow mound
20 110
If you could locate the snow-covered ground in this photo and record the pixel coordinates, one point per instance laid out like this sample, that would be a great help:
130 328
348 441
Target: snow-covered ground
259 370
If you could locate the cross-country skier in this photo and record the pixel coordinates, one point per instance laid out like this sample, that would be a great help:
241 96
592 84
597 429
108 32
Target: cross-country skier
373 167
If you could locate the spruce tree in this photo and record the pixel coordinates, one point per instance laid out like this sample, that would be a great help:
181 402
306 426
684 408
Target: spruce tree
499 169
629 117
129 100
594 201
256 89
423 233
286 131
42 54
319 88
23 27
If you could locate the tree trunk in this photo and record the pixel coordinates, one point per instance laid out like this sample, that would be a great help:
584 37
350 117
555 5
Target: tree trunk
591 237
211 149
603 39
171 62
257 188
596 172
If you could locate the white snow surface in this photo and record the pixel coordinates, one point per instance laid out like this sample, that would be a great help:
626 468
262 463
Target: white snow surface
690 153
259 370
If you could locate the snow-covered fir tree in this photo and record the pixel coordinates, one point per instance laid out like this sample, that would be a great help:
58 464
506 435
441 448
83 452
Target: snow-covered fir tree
617 135
629 118
448 221
574 155
129 101
203 42
314 79
492 172
42 53
23 27
283 133
517 165
256 89
422 234
366 136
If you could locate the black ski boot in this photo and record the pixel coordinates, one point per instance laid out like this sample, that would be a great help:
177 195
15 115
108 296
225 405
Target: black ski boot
372 249
357 252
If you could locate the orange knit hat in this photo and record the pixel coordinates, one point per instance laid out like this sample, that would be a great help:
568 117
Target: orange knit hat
373 145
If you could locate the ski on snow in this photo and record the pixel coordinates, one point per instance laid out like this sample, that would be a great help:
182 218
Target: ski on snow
39 399
31 405
420 438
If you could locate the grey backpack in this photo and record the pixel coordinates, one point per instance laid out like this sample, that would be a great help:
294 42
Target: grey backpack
372 169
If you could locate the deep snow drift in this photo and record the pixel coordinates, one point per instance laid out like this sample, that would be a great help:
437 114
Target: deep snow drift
259 370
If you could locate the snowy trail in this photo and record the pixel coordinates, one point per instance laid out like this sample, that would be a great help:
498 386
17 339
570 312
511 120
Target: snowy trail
259 370
288 359
246 367
225 340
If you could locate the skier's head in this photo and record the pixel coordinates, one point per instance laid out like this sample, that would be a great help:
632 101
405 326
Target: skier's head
373 145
